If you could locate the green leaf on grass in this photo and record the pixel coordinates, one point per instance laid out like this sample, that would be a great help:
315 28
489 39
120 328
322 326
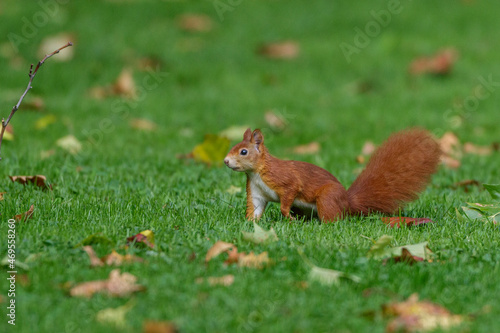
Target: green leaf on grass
212 150
97 238
380 249
326 276
494 190
260 236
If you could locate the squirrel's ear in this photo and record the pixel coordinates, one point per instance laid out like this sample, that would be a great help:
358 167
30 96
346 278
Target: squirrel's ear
257 137
248 135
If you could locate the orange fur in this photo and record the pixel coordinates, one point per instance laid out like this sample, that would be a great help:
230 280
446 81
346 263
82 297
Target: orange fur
396 173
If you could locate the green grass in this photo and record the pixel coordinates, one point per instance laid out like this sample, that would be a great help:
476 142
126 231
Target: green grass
132 181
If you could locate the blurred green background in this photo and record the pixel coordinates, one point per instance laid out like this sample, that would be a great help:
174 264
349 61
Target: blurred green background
198 68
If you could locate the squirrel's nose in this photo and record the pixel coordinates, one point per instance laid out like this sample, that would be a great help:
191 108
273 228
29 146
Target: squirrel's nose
226 161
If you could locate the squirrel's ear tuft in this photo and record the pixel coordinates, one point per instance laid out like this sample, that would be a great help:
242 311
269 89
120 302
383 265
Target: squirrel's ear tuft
248 135
257 137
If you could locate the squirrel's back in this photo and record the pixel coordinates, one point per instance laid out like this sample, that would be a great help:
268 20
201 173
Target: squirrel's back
396 173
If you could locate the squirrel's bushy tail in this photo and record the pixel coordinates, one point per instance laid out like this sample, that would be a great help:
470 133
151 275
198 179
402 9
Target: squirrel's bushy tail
396 173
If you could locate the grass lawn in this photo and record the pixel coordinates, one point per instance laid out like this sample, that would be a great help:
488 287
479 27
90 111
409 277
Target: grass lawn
125 180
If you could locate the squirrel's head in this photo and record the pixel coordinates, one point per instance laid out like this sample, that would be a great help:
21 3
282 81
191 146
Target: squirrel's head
245 155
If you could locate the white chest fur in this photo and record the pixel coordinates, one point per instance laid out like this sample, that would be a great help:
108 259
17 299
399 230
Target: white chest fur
262 194
260 191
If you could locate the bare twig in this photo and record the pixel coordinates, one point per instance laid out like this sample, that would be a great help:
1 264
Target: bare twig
31 74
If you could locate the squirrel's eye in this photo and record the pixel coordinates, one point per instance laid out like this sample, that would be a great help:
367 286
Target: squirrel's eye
243 152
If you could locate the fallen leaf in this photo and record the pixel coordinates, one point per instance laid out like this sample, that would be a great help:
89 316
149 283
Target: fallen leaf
233 190
117 285
51 43
252 260
218 248
413 315
123 86
276 122
195 22
145 237
280 50
466 184
212 150
470 148
225 280
115 316
38 180
398 221
117 259
326 276
234 133
143 124
310 148
493 190
70 144
94 260
381 250
440 63
451 150
260 236
407 257
9 133
23 217
97 238
1 195
150 326
45 121
113 258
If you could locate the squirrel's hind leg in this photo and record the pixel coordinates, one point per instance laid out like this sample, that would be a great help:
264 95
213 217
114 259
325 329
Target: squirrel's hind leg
332 203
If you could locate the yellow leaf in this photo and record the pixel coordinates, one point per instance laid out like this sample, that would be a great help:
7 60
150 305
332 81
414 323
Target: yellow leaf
233 190
115 316
45 121
213 149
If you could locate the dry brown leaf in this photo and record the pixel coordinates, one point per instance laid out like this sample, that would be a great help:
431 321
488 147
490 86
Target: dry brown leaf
276 122
195 22
254 261
225 280
150 326
117 259
125 85
117 285
440 63
413 315
1 195
26 215
451 149
470 148
310 148
38 180
280 50
94 260
218 248
143 124
234 257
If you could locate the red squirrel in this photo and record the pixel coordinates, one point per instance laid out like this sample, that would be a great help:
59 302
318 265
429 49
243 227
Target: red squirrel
395 174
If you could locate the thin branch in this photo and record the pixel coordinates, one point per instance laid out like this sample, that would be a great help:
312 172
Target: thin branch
31 75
